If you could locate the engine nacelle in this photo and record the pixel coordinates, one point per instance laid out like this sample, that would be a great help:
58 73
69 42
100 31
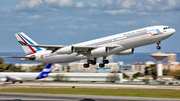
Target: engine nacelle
100 51
32 58
126 52
4 79
65 50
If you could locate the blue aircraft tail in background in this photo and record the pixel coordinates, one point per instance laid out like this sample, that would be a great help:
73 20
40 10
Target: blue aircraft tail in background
45 71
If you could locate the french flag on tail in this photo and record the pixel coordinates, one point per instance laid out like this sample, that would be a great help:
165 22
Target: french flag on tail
23 39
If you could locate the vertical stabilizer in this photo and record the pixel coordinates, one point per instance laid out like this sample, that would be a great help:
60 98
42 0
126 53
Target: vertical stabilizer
24 39
44 73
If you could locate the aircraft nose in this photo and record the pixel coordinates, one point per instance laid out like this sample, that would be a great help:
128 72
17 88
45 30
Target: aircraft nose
173 31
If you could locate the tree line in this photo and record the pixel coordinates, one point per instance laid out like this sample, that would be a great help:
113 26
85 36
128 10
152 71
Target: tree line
9 67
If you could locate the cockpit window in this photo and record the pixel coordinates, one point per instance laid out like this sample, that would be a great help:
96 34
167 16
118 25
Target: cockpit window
166 28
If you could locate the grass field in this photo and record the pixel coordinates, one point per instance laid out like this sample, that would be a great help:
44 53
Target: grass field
161 93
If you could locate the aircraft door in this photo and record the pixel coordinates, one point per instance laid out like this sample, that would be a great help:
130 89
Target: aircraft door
154 32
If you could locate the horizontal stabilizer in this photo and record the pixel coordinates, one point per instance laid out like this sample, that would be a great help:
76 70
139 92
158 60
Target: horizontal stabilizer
24 57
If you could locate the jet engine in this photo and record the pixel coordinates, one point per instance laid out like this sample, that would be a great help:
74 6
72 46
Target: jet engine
126 52
4 79
33 57
65 50
100 51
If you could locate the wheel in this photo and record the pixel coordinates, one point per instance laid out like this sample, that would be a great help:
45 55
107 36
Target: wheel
158 47
86 65
105 61
13 82
101 65
94 63
20 81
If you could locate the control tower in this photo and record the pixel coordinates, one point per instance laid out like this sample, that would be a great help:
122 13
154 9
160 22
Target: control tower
159 57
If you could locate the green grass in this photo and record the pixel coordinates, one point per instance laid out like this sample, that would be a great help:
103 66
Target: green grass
161 93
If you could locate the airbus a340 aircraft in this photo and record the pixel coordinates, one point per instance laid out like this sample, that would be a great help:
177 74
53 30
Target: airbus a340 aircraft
19 76
119 44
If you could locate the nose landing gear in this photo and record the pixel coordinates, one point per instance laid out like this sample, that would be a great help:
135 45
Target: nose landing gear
158 47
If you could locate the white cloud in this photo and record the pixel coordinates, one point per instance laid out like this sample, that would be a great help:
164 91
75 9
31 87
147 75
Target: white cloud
52 27
171 21
106 2
80 4
144 13
73 26
60 3
119 3
89 26
154 22
171 4
128 3
126 23
25 4
34 17
95 11
93 5
23 24
121 11
161 4
13 29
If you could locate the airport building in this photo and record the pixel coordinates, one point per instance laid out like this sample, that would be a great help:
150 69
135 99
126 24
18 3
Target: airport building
171 64
172 57
57 67
139 66
148 63
27 67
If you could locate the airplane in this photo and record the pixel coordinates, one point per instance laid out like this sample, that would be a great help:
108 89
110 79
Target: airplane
20 76
119 44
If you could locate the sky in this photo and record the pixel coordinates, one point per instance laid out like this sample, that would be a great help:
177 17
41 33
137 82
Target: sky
67 22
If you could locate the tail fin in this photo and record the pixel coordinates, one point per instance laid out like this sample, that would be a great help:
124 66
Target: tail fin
44 73
24 39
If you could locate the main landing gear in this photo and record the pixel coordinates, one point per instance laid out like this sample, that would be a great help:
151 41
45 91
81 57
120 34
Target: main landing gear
158 47
93 62
104 62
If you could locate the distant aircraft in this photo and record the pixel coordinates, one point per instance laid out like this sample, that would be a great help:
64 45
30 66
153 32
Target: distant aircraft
119 44
20 76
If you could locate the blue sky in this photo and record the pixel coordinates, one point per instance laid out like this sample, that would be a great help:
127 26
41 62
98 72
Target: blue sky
66 22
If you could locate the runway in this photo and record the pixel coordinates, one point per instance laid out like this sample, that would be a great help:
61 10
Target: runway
86 85
66 97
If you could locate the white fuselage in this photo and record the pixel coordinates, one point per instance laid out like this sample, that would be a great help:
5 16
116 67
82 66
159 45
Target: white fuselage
124 41
19 76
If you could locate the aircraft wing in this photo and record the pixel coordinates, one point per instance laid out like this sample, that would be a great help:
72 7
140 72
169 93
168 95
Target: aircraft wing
77 48
83 49
23 57
48 47
16 57
14 78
